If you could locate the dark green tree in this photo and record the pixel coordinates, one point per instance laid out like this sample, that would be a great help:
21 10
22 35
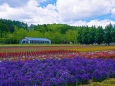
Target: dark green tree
113 35
85 35
12 23
3 30
107 36
79 37
99 37
92 33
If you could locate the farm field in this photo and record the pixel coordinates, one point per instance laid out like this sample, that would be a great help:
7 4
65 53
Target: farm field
56 65
57 43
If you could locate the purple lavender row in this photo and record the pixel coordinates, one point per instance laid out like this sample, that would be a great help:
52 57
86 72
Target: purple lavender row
54 72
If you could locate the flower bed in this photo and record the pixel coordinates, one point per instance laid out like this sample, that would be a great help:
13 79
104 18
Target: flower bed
98 54
59 54
66 71
99 48
7 52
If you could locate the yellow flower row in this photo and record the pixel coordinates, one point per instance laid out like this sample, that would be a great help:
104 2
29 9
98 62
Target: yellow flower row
94 49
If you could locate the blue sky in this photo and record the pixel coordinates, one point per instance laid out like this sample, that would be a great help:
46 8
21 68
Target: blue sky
72 12
45 3
16 3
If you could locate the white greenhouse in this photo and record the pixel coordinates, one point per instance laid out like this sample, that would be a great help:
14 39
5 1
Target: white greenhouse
29 40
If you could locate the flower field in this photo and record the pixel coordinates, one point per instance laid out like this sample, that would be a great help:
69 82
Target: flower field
56 65
56 52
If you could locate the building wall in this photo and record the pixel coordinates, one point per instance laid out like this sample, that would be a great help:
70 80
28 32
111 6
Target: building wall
34 41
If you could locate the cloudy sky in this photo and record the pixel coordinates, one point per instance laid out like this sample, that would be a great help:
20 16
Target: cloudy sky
72 12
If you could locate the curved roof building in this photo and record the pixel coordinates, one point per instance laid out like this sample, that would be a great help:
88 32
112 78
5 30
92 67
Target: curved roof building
29 40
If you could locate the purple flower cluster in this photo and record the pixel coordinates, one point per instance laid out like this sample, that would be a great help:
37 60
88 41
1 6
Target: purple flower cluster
54 72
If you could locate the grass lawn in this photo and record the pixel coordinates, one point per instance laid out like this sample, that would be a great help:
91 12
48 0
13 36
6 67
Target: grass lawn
108 82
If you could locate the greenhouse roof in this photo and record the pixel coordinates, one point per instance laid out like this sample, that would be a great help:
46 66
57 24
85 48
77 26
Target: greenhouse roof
41 39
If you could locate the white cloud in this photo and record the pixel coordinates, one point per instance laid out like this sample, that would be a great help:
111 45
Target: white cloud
41 15
18 3
65 11
102 23
43 1
14 3
30 13
11 13
113 13
78 23
78 9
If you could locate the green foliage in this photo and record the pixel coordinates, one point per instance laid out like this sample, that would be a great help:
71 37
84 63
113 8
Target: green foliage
85 35
35 34
19 34
79 37
11 32
92 34
3 30
108 82
71 36
42 28
57 38
113 34
11 24
99 35
49 35
107 36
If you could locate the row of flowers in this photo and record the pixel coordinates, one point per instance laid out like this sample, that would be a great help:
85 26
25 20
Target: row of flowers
45 48
58 55
52 72
94 48
37 51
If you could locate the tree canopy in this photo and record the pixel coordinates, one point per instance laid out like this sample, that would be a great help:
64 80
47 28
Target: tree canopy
14 31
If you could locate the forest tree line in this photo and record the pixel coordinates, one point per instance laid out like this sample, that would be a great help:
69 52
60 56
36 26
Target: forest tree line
11 32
